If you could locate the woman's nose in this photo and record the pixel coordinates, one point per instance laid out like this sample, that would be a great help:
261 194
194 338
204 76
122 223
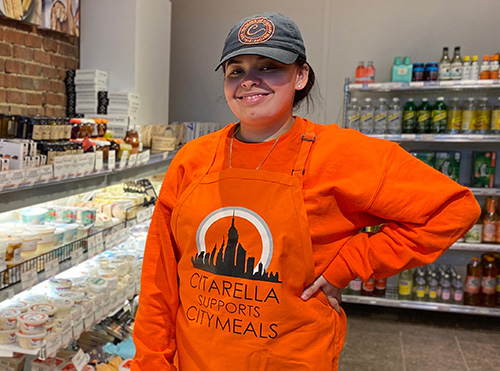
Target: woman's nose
250 79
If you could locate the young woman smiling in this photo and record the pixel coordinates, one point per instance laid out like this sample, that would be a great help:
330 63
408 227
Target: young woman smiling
257 227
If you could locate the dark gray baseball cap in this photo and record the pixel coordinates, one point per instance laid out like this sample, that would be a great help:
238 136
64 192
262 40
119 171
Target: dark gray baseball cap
271 35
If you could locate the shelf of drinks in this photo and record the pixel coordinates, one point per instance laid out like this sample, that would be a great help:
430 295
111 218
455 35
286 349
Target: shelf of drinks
425 85
483 247
26 274
438 138
22 195
391 300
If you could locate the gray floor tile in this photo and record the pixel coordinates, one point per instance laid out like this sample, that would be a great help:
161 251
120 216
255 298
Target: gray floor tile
433 364
481 356
367 324
483 336
369 347
357 365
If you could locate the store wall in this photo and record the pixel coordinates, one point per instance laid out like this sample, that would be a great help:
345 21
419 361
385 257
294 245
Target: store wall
337 35
33 66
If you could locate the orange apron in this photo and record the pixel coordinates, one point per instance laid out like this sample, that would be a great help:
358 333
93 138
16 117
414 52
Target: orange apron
243 271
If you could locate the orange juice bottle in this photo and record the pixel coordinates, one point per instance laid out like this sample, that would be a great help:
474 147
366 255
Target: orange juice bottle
494 67
484 73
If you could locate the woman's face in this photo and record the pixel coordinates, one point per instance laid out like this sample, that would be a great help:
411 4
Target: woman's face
260 90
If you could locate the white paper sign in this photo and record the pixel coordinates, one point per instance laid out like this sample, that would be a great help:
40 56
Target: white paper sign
82 163
91 246
46 173
2 263
66 334
76 256
16 177
165 155
68 165
77 328
99 161
6 294
123 160
99 247
75 169
51 268
59 167
53 343
111 160
32 175
29 278
132 159
89 161
4 179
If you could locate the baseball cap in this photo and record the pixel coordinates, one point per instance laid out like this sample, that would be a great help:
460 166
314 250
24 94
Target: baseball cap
271 35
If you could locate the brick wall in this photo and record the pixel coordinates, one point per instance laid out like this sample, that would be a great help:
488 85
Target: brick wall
33 66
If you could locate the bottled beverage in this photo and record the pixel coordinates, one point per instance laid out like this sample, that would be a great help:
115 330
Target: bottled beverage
394 117
473 283
380 118
490 221
405 285
458 290
370 72
445 66
355 286
456 65
409 117
439 116
368 287
445 284
484 72
466 68
360 73
483 116
488 284
454 116
474 68
424 117
495 117
353 115
380 287
494 67
431 71
469 117
419 285
367 112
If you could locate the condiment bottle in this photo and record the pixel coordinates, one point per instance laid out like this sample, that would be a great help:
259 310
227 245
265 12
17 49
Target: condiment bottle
488 284
132 138
473 283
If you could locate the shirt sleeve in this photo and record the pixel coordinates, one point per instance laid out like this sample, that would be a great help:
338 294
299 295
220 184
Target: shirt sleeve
423 211
154 328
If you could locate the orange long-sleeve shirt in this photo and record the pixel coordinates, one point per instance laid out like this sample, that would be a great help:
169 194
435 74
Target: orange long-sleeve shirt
351 181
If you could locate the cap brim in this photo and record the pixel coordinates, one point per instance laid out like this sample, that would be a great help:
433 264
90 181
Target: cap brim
280 55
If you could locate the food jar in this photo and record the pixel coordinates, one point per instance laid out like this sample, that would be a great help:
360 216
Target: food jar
8 336
59 285
46 308
20 305
34 215
33 322
13 250
30 341
8 318
63 306
132 138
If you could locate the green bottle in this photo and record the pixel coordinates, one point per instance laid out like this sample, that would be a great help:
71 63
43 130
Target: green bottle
405 285
439 116
409 117
424 117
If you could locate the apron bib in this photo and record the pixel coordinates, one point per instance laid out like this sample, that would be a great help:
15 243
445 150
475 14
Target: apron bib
245 257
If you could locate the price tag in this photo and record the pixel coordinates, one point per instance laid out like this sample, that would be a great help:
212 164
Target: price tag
375 85
143 215
76 256
58 167
4 179
77 329
32 175
29 278
91 246
66 334
131 223
51 268
165 155
75 169
68 165
82 164
111 160
485 82
46 173
53 343
99 160
123 235
123 160
132 161
147 156
447 83
6 294
3 266
89 163
16 177
99 247
89 320
111 240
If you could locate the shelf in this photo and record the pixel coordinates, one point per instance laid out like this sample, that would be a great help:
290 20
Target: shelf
465 246
28 195
427 85
439 138
485 191
439 307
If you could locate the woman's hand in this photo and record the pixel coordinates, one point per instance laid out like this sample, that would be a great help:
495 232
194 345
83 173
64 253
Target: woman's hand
333 294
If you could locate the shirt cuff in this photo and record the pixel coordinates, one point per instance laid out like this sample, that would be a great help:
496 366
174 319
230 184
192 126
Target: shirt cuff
338 273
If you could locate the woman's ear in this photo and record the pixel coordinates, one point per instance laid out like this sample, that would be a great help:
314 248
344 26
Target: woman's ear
302 77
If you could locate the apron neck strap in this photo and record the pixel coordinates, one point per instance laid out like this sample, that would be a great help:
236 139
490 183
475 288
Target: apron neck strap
308 138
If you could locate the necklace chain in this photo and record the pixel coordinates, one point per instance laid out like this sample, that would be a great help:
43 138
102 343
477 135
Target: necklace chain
231 149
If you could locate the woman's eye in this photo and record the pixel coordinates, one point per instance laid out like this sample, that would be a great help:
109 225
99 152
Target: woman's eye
268 68
235 72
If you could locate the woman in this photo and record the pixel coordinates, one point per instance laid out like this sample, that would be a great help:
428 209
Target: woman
256 229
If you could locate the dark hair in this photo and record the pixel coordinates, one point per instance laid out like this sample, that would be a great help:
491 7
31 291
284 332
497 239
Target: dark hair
302 94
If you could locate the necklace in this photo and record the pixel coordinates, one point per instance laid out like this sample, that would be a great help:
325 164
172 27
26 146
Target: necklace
231 149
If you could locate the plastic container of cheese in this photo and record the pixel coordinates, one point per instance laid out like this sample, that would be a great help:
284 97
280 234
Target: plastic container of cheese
33 322
30 341
8 318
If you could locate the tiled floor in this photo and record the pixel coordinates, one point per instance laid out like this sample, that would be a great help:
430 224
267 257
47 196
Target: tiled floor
390 339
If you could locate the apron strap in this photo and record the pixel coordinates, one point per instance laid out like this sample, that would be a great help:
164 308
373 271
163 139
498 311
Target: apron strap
308 139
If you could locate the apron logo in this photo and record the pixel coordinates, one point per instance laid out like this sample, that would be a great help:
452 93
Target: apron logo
231 259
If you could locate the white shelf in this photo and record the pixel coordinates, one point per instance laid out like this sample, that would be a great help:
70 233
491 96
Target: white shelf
485 191
438 307
465 246
439 138
426 85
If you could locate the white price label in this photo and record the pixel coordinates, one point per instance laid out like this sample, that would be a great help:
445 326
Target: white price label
417 84
53 344
77 329
485 82
123 160
111 160
145 214
66 334
131 223
147 155
16 177
76 256
51 268
89 320
91 246
32 175
141 158
29 278
46 173
99 247
89 163
4 179
123 235
59 167
99 161
165 155
447 83
132 160
68 165
6 294
82 164
75 168
3 266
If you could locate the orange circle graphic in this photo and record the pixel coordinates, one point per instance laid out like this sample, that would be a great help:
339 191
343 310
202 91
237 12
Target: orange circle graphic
256 31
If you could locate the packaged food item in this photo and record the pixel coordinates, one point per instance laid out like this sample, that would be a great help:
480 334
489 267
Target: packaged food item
33 322
483 169
46 233
428 157
34 215
46 308
50 364
34 299
449 164
20 305
30 341
59 237
63 306
13 251
76 296
125 365
8 336
59 285
8 318
30 241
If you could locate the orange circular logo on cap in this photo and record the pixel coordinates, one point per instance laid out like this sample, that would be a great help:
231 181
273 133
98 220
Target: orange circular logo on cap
256 31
